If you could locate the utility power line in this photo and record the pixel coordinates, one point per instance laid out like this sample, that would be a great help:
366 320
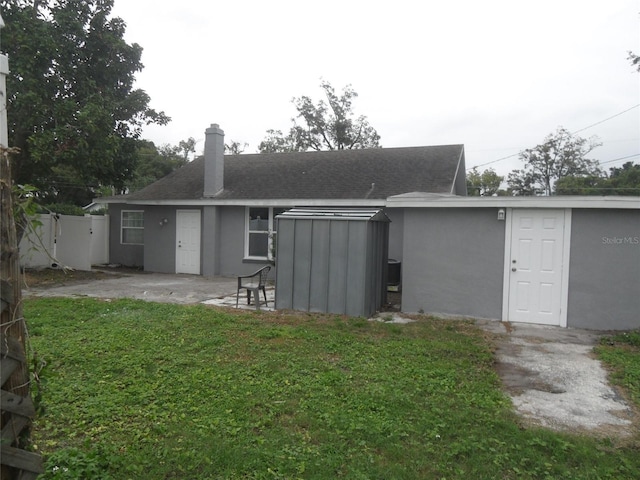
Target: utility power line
572 133
606 119
494 161
620 158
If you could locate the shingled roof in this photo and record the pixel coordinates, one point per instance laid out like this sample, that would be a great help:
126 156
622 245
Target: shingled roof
343 174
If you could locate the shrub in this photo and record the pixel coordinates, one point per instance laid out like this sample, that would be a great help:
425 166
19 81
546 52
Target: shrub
64 209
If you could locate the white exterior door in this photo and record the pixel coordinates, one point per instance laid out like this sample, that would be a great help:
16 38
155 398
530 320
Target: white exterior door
534 267
188 241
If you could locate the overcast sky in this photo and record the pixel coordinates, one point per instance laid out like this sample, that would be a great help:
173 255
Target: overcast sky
495 75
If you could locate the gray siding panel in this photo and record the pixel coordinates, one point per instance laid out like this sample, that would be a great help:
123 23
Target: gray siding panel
453 262
357 262
320 254
284 271
337 287
604 271
302 265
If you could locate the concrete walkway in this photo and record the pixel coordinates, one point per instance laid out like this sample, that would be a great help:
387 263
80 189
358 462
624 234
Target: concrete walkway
554 380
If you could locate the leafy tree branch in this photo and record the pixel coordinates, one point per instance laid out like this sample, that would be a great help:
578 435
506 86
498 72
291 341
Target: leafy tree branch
326 125
560 155
75 114
485 184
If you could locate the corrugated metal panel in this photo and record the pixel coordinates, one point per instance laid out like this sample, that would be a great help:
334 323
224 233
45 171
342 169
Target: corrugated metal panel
332 260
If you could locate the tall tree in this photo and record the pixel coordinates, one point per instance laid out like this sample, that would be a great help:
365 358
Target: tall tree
156 162
74 113
186 148
561 155
485 184
235 147
325 125
584 185
623 180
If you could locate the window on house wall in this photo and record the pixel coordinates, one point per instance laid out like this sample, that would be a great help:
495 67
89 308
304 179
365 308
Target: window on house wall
132 227
260 238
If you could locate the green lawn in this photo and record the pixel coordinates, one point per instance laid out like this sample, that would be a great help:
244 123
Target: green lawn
621 353
142 390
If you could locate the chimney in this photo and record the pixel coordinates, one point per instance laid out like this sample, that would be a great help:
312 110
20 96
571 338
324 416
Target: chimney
213 160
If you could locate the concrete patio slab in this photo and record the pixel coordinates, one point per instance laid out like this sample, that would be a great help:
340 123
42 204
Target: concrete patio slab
156 287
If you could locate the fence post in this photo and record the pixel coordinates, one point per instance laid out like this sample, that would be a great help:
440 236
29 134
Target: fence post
16 407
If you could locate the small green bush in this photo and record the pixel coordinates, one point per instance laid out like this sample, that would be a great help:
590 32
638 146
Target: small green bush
64 209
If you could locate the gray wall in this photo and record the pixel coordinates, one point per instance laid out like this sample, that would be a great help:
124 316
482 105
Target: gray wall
160 240
232 241
222 247
453 261
396 232
231 244
128 255
211 235
222 240
604 270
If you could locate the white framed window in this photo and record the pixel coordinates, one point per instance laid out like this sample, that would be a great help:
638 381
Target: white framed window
132 227
260 232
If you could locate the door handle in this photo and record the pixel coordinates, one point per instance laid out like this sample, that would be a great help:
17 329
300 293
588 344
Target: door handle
514 269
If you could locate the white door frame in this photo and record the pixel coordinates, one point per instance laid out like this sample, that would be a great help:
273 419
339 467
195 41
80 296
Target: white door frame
198 270
566 250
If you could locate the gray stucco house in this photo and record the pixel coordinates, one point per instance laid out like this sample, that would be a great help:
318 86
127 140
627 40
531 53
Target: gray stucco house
215 215
561 261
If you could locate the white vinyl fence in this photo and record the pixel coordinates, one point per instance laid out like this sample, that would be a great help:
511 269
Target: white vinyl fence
67 241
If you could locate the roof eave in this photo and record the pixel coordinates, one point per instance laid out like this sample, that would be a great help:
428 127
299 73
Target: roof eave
276 202
430 201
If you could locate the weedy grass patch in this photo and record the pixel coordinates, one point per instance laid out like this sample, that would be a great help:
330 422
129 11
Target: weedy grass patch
144 390
621 352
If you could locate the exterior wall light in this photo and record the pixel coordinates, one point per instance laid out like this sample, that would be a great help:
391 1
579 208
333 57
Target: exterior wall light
501 214
163 222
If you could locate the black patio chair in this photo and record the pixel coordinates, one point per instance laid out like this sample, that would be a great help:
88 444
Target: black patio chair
254 283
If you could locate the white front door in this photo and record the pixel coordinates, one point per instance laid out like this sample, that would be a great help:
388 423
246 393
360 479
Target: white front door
188 241
536 281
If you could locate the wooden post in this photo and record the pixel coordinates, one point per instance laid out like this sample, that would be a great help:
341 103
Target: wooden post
16 407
